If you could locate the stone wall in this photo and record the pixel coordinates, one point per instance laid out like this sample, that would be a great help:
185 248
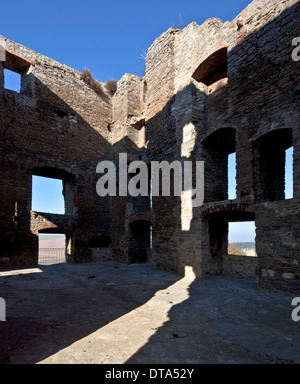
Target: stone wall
213 90
58 127
242 267
209 90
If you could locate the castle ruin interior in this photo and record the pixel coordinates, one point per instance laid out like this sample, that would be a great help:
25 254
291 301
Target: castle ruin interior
208 91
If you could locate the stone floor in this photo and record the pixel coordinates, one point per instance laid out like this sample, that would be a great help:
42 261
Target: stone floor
112 313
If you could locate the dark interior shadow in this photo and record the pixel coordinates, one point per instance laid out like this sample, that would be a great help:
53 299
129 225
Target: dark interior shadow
162 346
52 140
89 307
223 321
66 303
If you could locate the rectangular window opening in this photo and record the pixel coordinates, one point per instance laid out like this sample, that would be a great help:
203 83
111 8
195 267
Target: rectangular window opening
274 165
241 238
289 185
52 249
232 176
12 81
47 195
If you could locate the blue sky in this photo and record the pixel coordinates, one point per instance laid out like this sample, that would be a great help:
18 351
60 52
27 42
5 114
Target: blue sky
105 36
289 185
47 195
242 232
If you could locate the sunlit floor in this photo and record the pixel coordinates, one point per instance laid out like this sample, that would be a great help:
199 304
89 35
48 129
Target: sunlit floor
113 313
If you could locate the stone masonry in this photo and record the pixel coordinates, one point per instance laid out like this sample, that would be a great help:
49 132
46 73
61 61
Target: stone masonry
209 90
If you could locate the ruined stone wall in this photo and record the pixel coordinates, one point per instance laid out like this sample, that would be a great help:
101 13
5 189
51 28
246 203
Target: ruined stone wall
56 126
264 60
193 113
209 90
162 143
128 137
241 267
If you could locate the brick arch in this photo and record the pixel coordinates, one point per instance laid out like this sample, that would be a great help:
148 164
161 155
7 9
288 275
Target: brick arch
53 228
223 137
136 218
44 228
16 62
49 227
230 211
285 133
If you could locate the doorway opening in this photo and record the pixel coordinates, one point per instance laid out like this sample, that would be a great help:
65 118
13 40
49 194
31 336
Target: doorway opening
52 248
140 241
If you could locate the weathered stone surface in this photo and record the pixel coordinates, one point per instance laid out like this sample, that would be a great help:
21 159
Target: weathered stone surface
110 313
208 90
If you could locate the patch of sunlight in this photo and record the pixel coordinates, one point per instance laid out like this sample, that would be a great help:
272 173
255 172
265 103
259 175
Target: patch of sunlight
17 272
118 341
189 135
186 210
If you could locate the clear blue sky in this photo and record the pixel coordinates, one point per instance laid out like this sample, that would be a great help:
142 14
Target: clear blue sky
47 195
105 36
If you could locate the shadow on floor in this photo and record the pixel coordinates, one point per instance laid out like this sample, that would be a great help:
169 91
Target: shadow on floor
111 313
62 304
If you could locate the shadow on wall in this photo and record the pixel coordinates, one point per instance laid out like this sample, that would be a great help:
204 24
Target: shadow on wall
244 117
56 146
49 140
